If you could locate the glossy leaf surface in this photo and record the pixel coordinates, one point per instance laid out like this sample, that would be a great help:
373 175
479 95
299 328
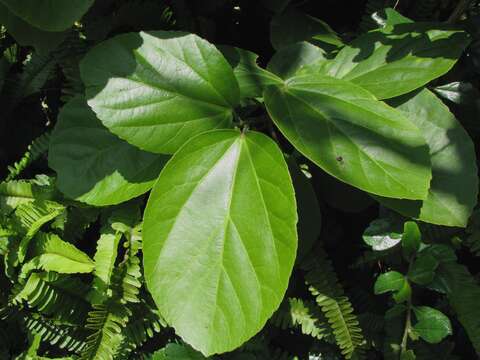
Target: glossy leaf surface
454 187
49 15
351 135
432 325
156 90
220 238
395 63
93 165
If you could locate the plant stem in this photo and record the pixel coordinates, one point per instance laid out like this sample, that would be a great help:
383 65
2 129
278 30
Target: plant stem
459 10
408 324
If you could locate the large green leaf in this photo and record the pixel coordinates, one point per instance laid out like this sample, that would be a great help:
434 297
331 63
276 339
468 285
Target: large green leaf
454 187
220 238
177 352
95 166
395 63
352 136
251 78
49 15
156 90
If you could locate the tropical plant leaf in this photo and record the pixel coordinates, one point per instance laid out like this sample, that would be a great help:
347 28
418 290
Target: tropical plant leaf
393 63
432 325
352 136
220 238
178 85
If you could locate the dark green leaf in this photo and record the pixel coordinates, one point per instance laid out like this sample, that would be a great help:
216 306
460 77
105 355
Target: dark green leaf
351 135
28 35
423 269
289 59
432 325
156 90
251 78
93 165
293 26
411 238
49 15
220 238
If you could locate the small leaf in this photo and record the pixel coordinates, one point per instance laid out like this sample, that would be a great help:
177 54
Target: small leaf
454 186
389 282
95 166
251 78
352 136
382 234
220 238
411 238
158 89
49 15
177 352
423 268
432 325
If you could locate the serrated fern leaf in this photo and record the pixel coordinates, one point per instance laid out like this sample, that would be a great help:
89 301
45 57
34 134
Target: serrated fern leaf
53 254
323 285
54 295
30 217
71 338
305 314
15 193
106 322
37 148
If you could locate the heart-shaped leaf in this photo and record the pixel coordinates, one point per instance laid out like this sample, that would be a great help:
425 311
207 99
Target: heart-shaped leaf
156 90
352 136
220 238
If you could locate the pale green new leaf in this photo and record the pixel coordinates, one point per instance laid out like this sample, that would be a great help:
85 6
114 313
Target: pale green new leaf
390 64
49 15
220 238
51 253
156 90
352 136
95 166
252 79
454 187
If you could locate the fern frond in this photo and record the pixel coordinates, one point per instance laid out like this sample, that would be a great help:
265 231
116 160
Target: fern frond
35 150
107 322
297 312
30 217
329 295
53 254
53 295
17 192
71 338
